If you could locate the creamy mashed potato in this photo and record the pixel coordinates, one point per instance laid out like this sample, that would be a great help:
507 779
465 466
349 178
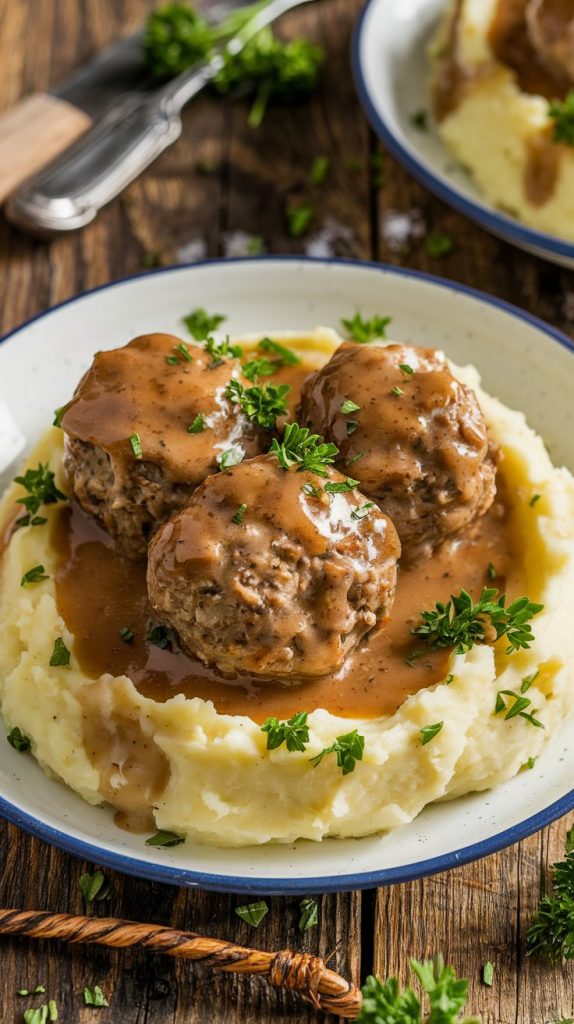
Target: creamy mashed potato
210 775
501 133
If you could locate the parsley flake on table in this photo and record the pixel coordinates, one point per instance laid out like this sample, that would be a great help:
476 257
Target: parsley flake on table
17 740
309 914
488 974
231 457
198 425
461 622
438 244
261 404
319 170
95 997
94 886
60 654
348 749
294 732
361 330
298 218
307 451
41 486
562 114
385 1003
428 732
165 838
34 575
253 913
201 324
552 933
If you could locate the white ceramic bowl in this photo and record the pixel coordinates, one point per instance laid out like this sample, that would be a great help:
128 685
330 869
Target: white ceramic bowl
391 73
525 363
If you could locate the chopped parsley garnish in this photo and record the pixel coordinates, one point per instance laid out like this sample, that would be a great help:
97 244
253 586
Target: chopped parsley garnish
221 350
165 838
161 636
126 634
342 486
17 740
253 913
94 886
60 654
201 324
285 357
312 491
552 934
262 405
461 623
303 449
438 244
41 486
349 406
136 446
348 748
397 391
181 354
385 1003
294 733
309 914
355 458
534 500
488 974
515 706
298 219
449 679
528 681
419 120
58 413
255 368
362 330
95 997
34 575
361 511
231 457
239 515
528 765
562 113
491 571
406 369
351 427
319 170
428 732
198 425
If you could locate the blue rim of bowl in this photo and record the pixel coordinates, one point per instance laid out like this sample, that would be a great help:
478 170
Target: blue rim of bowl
496 222
329 883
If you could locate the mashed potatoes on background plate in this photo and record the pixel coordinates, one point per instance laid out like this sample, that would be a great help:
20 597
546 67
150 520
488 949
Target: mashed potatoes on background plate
497 128
211 777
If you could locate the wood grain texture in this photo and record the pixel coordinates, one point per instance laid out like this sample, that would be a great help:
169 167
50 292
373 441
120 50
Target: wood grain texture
217 188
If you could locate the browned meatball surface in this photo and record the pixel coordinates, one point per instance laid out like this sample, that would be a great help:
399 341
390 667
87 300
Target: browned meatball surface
150 391
266 572
417 442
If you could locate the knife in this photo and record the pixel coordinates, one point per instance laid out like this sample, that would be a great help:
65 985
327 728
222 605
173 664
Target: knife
133 131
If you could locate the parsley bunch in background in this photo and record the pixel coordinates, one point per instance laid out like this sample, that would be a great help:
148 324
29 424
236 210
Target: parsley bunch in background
177 36
385 1003
552 933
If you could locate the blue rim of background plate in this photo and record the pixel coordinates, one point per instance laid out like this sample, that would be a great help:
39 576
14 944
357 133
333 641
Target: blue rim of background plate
496 222
291 886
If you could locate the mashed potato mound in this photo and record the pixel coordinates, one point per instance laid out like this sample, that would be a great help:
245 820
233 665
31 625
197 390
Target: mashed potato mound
220 784
500 133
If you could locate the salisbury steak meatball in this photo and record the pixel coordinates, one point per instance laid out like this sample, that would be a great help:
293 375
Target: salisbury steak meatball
147 424
268 572
412 435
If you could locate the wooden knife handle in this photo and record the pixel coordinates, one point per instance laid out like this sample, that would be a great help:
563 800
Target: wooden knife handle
32 133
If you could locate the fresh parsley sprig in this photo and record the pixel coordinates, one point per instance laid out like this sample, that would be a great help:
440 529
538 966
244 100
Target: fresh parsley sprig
514 705
283 356
362 330
294 732
552 934
221 350
385 1003
348 748
301 448
201 324
262 405
461 622
40 484
562 114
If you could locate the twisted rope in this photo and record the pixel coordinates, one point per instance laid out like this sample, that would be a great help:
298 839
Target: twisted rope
298 972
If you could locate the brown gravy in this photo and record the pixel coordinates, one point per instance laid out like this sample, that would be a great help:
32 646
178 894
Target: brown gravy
512 46
99 592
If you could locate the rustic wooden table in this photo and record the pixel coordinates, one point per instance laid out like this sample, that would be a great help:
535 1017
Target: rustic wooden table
222 184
